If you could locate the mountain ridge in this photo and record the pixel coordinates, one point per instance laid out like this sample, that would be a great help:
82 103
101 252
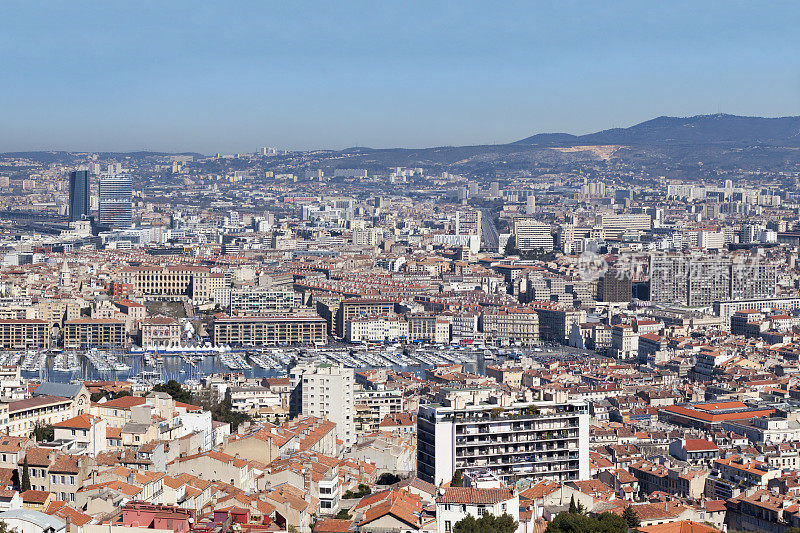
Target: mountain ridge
697 129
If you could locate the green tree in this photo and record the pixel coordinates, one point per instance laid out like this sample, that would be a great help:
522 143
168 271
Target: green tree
222 411
576 508
363 490
631 517
511 246
458 479
488 523
26 476
343 514
174 389
43 433
573 509
578 523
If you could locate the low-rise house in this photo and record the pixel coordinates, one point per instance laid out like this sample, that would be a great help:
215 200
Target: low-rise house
84 433
454 504
214 465
694 451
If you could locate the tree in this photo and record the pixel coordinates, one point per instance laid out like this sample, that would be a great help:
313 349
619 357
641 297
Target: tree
343 514
511 246
631 517
576 508
174 389
573 509
43 433
458 479
363 490
26 476
488 523
222 411
578 523
97 396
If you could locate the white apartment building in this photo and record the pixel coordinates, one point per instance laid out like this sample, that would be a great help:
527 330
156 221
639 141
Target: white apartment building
325 391
252 398
367 236
376 329
538 440
625 341
379 403
257 301
530 234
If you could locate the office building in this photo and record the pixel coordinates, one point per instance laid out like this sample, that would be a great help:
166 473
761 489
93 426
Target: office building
615 286
615 225
725 309
79 192
530 234
530 204
325 391
360 307
555 321
115 206
536 441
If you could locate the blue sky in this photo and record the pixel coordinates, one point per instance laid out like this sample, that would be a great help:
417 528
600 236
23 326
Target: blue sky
233 76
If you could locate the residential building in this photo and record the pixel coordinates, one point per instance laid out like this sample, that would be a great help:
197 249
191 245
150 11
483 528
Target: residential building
325 391
540 440
270 330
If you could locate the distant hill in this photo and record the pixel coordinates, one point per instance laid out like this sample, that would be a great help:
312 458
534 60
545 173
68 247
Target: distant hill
697 130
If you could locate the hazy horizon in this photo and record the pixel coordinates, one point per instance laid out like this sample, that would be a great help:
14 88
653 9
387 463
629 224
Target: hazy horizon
207 78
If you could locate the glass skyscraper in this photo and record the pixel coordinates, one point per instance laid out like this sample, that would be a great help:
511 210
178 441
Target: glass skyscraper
116 202
78 195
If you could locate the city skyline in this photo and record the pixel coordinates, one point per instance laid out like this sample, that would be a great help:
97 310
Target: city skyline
187 78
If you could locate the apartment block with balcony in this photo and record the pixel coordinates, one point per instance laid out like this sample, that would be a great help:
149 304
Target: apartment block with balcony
539 440
22 334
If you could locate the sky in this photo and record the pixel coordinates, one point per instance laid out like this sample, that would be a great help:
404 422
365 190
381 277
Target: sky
233 76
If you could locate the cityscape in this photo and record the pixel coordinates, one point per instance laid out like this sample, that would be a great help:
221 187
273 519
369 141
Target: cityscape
539 333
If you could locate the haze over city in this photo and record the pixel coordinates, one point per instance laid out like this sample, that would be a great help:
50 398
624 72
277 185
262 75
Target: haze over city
204 77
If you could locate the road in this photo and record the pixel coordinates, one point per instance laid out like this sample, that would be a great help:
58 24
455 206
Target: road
490 238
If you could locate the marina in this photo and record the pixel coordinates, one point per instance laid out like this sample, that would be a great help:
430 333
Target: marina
193 364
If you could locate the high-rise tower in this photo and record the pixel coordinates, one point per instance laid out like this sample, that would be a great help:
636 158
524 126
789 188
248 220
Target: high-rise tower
116 199
78 195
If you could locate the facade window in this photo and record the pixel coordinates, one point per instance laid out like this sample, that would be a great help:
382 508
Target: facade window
448 526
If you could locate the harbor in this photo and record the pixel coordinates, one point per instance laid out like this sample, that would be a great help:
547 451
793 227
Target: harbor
186 364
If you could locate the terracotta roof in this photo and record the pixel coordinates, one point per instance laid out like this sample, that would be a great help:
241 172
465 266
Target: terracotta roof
700 445
684 526
38 401
35 496
84 421
124 402
474 496
332 525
